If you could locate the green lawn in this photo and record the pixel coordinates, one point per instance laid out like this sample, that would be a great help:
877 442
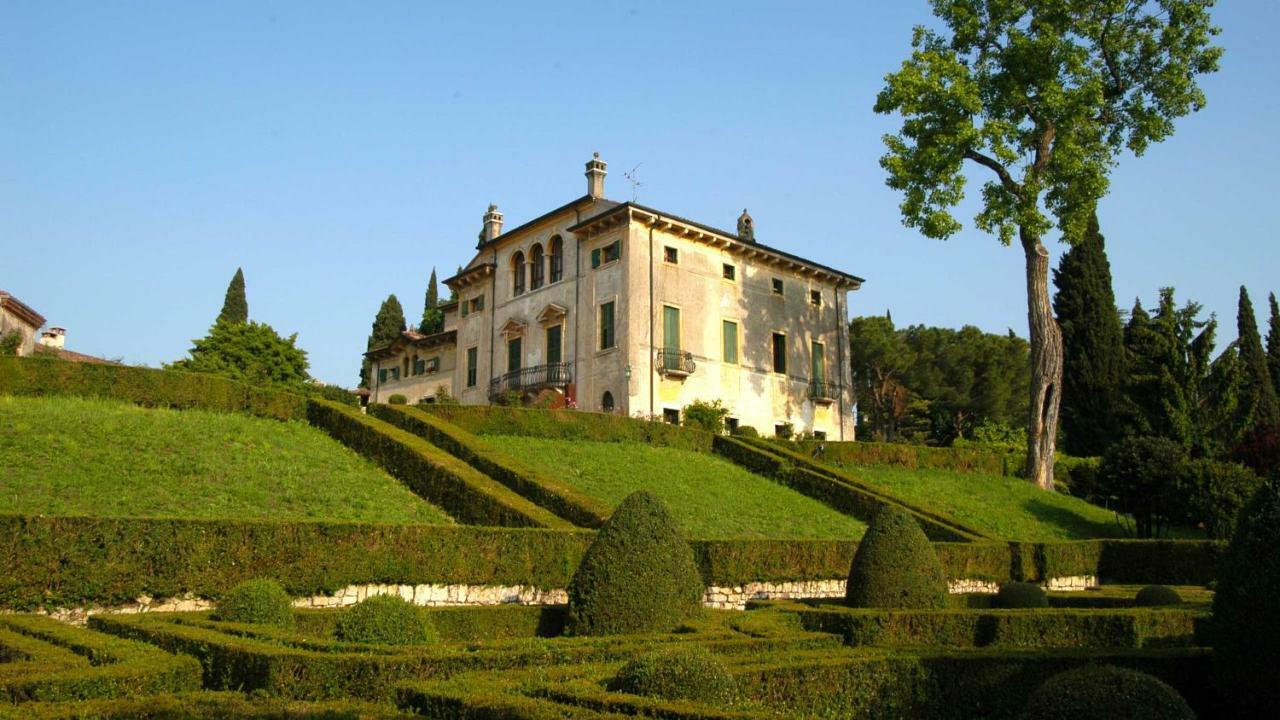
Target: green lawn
709 496
1006 507
71 456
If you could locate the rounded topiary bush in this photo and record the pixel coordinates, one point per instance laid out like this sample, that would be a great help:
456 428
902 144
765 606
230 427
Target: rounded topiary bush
1020 595
397 399
895 565
1106 693
385 620
638 575
260 602
1156 595
692 673
1246 606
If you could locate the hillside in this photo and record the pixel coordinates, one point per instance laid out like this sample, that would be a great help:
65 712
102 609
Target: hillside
72 456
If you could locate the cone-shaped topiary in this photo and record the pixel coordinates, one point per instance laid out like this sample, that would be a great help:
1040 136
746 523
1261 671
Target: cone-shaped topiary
259 601
1106 693
638 576
895 566
385 620
1246 607
1156 595
692 673
1020 595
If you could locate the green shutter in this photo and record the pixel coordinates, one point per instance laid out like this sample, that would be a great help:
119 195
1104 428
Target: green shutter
819 363
670 328
779 353
606 326
595 258
729 331
513 354
553 344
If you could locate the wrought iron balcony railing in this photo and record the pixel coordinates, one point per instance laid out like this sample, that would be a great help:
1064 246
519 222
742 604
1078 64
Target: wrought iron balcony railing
675 362
821 391
532 378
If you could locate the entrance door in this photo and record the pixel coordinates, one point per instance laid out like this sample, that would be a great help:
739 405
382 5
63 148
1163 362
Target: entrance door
553 344
819 364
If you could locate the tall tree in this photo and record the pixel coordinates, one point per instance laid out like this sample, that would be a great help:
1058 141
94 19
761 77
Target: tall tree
880 358
1045 95
1273 343
387 326
1258 409
235 308
1092 346
432 317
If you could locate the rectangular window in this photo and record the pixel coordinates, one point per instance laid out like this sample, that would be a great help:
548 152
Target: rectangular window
433 365
730 272
819 363
671 255
514 352
473 358
419 366
815 298
606 254
729 336
465 306
607 339
395 374
731 424
382 376
819 434
476 303
554 334
671 415
779 353
777 286
670 328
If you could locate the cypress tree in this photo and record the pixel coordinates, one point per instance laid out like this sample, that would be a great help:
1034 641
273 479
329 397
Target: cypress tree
1273 343
235 308
387 326
1259 408
1092 344
432 318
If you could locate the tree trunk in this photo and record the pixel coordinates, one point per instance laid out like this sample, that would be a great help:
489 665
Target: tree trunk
1046 365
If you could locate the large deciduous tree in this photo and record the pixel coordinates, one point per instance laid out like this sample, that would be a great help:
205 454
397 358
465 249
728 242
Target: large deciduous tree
387 326
1045 95
235 308
1092 346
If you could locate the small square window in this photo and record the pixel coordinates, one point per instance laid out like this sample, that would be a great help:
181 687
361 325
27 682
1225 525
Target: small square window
819 434
730 272
671 255
815 298
777 286
612 251
671 415
731 424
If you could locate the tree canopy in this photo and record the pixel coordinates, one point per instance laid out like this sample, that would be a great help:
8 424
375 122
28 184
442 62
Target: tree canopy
432 316
235 308
251 352
387 326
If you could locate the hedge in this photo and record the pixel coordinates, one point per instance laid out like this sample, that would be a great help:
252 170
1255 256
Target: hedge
1168 562
549 492
831 487
204 706
145 386
969 460
569 425
50 661
1039 628
469 624
462 491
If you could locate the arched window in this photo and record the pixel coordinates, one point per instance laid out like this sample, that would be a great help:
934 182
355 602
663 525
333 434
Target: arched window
606 402
517 274
537 270
557 259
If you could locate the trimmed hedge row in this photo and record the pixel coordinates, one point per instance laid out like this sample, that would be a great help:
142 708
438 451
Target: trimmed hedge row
569 425
1168 562
467 495
145 386
914 457
831 487
460 624
1041 628
558 497
203 706
50 661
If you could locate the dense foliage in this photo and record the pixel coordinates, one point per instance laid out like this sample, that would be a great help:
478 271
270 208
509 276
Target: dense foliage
693 673
259 602
1106 693
1210 494
1020 595
251 352
707 416
385 620
1157 595
432 316
235 308
9 343
387 326
637 576
1141 474
1246 606
895 566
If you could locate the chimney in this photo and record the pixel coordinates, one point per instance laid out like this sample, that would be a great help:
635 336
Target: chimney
595 176
746 227
492 225
54 337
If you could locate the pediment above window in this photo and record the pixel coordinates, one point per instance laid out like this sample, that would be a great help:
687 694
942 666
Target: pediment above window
552 314
513 329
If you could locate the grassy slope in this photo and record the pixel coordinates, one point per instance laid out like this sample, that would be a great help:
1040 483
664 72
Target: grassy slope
709 496
70 456
1007 507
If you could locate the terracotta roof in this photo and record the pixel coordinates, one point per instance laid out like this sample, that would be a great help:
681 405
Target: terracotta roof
409 337
73 356
21 309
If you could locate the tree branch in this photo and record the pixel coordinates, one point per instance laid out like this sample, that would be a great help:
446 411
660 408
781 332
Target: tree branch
987 161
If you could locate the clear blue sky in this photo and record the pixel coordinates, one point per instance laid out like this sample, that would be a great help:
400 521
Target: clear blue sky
339 151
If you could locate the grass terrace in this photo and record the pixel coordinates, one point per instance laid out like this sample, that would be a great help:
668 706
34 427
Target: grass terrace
73 456
709 496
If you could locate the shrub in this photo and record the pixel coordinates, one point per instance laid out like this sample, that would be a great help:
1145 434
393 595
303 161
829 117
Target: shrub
10 342
1156 595
1246 623
1104 693
693 673
259 602
1142 473
745 431
397 399
708 416
638 575
1020 595
385 620
895 565
1212 494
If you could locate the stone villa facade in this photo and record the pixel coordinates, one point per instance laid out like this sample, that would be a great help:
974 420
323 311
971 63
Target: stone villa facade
618 307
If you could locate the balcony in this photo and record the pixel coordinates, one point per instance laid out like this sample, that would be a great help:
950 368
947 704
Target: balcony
532 379
675 363
823 392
